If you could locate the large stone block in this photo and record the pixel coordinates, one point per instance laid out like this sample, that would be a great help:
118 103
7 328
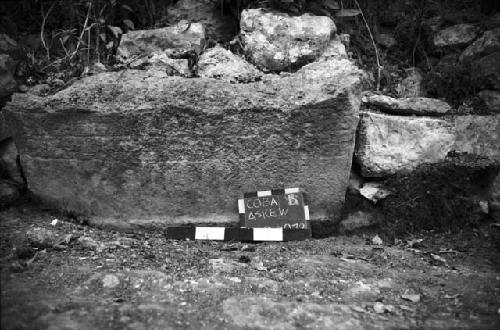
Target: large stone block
136 147
389 144
276 42
478 135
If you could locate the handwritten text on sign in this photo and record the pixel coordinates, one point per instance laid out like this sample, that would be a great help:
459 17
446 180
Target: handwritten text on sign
268 209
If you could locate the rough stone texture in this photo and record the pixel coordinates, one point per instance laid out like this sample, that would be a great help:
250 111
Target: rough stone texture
486 71
456 35
42 237
171 66
491 99
222 64
412 84
174 41
488 43
389 144
8 161
7 82
494 201
408 106
136 147
334 50
279 42
219 25
478 135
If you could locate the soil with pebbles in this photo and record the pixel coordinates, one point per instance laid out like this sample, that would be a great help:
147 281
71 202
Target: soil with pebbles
69 276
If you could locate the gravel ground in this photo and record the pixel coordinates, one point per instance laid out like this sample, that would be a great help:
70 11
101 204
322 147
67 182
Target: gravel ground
69 276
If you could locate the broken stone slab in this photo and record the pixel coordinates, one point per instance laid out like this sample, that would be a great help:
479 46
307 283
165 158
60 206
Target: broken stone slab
374 191
456 35
139 147
487 44
408 106
277 42
178 41
222 64
388 144
491 99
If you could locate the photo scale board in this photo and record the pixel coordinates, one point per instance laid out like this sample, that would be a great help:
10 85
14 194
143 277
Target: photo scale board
278 208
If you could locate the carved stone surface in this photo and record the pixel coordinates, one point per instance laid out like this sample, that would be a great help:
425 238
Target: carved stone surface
136 147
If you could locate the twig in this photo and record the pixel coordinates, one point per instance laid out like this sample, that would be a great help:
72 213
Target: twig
379 68
82 33
42 28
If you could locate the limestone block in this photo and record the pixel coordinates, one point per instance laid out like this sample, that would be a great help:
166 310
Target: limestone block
276 42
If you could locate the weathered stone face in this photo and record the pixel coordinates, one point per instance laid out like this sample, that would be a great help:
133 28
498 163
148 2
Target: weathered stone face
276 42
390 144
408 106
138 146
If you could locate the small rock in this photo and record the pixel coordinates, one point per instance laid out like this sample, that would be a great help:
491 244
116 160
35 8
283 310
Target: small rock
54 222
412 84
456 35
386 40
88 243
376 240
484 207
415 298
110 281
39 90
374 191
380 308
438 258
41 237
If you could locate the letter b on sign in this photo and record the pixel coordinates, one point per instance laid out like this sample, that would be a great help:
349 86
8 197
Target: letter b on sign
292 199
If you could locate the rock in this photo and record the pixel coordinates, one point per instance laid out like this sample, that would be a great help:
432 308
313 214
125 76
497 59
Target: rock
110 281
357 220
220 63
89 243
10 192
374 191
491 99
138 147
386 40
478 135
456 35
376 240
494 199
9 168
7 44
389 144
412 84
42 237
408 106
7 81
380 308
486 71
415 298
487 44
173 41
277 42
220 26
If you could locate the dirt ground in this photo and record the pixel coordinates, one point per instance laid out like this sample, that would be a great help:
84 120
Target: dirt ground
69 276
